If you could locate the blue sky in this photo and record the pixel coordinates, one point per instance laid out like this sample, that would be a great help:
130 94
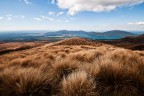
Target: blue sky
89 15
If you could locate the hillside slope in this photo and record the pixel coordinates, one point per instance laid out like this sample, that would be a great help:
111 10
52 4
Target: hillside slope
7 47
130 42
72 67
134 39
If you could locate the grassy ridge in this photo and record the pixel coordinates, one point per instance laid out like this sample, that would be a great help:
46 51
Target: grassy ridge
18 46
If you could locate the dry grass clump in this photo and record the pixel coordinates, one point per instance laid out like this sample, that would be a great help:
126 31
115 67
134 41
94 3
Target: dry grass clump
91 69
78 84
24 82
141 53
86 56
114 80
139 68
62 68
2 67
25 63
125 57
50 56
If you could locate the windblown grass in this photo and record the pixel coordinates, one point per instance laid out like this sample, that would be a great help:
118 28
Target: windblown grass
72 70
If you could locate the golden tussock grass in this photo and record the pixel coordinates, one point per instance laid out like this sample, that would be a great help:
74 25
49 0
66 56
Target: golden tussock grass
78 84
24 82
114 80
72 70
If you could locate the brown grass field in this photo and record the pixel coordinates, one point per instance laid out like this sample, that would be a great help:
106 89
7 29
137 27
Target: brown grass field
7 47
72 67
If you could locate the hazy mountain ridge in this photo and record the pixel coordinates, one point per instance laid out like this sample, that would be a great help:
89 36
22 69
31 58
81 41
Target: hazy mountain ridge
62 34
107 33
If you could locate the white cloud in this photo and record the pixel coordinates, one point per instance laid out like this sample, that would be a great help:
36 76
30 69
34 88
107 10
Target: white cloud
53 2
50 19
22 17
60 13
75 6
46 18
37 19
1 18
51 13
136 23
66 21
56 20
73 18
10 17
59 20
43 18
27 1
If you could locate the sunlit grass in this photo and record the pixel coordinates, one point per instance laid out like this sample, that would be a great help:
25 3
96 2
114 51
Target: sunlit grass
59 69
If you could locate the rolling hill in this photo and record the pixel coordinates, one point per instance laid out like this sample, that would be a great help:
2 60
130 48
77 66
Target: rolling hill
78 41
129 42
134 39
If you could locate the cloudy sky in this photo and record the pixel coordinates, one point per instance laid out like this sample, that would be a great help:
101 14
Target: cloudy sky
89 15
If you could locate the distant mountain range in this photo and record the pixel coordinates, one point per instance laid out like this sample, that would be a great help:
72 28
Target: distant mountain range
62 34
114 34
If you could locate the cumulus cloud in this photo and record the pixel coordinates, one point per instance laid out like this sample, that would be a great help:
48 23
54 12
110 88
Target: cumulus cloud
75 6
136 23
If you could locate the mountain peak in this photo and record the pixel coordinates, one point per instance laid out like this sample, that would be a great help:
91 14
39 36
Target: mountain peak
118 33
